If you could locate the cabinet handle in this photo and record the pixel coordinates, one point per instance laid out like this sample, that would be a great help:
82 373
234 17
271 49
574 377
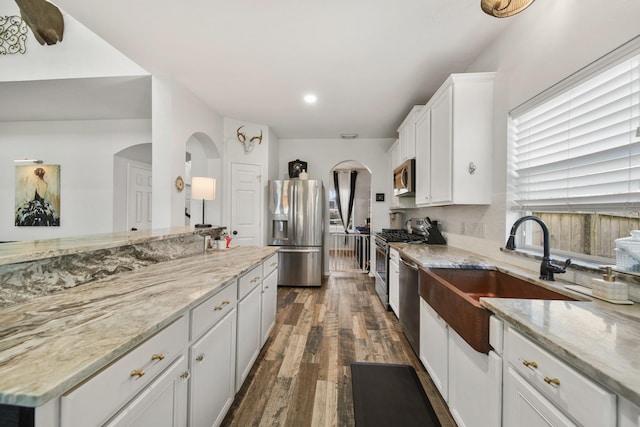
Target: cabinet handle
274 264
552 381
255 279
157 357
200 358
266 287
185 375
225 303
136 373
528 364
217 308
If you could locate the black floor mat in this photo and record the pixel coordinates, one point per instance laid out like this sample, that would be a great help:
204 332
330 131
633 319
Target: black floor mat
389 395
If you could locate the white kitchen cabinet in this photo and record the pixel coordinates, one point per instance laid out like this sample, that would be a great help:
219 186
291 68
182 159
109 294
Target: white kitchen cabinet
628 413
434 347
212 384
407 136
525 407
394 281
475 384
269 297
454 139
558 387
162 404
249 333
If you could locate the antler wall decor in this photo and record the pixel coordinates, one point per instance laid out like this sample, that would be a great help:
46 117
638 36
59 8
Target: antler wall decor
248 145
44 19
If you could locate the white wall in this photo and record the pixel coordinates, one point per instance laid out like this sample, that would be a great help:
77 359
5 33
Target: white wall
544 44
324 154
84 150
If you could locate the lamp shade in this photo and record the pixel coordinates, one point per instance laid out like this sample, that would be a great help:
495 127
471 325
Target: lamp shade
504 8
203 188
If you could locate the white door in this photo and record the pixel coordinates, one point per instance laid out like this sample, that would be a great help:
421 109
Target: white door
139 198
245 204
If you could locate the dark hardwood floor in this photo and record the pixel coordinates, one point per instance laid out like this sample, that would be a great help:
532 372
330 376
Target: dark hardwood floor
303 376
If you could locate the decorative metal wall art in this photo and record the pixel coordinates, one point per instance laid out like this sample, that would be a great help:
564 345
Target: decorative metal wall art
13 35
248 145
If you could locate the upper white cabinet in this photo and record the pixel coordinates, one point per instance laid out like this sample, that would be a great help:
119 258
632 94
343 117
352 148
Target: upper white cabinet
454 143
407 136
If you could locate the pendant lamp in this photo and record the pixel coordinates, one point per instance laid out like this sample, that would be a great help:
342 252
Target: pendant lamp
504 8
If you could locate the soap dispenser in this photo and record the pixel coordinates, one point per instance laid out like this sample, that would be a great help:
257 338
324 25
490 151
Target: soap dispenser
608 288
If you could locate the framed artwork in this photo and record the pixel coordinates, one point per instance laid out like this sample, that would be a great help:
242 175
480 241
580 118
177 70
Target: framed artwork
37 196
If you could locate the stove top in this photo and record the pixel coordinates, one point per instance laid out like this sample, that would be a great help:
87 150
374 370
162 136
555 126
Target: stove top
398 235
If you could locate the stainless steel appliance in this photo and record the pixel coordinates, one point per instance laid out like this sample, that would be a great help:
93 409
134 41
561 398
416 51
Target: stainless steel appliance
296 224
382 240
410 303
404 179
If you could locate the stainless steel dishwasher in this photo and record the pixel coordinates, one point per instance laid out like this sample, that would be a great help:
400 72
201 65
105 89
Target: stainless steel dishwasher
410 303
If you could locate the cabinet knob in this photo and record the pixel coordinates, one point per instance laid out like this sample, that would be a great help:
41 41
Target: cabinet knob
136 373
528 364
157 357
200 358
184 375
552 381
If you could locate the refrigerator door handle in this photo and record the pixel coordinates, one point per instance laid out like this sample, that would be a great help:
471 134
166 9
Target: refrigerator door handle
299 250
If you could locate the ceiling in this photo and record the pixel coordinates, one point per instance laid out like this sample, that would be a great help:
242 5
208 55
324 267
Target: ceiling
368 62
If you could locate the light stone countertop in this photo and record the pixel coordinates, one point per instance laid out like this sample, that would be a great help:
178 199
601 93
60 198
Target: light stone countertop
17 252
599 339
50 344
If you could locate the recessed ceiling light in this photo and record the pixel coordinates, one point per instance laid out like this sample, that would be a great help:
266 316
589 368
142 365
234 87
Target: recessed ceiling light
310 98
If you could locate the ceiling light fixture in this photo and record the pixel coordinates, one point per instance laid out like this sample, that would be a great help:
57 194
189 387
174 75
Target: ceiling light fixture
310 98
348 135
504 8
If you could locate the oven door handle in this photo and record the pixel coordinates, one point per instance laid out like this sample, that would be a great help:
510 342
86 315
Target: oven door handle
413 266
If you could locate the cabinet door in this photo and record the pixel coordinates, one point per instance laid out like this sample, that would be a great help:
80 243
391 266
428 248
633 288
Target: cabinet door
423 158
212 360
442 148
394 287
525 407
434 351
475 385
162 404
249 334
269 305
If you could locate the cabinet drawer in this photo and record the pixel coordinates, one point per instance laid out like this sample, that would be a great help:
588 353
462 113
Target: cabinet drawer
249 281
213 309
269 265
573 393
394 255
92 402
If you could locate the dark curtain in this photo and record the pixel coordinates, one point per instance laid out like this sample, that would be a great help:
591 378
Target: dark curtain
352 192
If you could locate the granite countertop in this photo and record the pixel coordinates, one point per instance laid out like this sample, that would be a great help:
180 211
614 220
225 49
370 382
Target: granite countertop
17 252
599 339
71 335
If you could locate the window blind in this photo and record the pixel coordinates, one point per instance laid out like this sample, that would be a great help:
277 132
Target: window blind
580 149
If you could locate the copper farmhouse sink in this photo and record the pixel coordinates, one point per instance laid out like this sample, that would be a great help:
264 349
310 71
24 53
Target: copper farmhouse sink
455 295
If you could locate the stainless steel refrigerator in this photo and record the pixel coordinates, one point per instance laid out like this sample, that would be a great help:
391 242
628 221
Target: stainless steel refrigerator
296 224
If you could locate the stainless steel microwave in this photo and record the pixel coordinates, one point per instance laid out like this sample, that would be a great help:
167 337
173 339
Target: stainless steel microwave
404 179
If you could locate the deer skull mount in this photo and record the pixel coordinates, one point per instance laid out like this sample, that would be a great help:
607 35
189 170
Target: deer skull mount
247 145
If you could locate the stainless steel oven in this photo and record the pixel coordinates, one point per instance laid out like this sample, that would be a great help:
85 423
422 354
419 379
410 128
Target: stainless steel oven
382 266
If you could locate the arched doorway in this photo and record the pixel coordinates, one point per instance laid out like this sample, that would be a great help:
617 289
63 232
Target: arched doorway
349 217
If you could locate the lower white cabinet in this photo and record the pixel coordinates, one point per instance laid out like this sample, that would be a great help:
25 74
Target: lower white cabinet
524 406
434 347
558 388
249 333
394 281
470 382
269 305
628 413
162 404
212 360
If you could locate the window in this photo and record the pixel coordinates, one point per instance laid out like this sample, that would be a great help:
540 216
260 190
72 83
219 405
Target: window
576 154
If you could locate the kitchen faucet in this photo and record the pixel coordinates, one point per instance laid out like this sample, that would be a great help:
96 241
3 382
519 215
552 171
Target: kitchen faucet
547 268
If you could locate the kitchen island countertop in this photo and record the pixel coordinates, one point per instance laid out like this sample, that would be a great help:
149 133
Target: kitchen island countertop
599 339
50 344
